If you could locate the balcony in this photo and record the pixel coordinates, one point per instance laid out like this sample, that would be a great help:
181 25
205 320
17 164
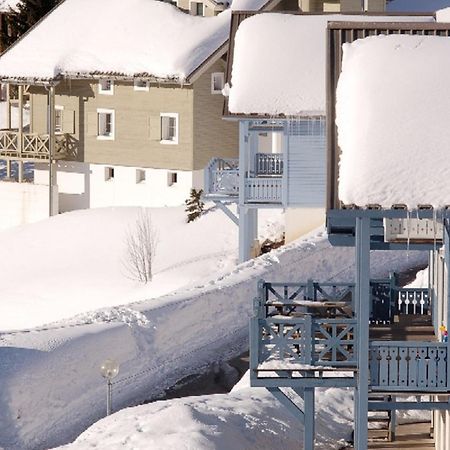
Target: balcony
31 146
300 331
262 184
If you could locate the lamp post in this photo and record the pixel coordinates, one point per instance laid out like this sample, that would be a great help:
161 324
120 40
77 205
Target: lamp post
109 370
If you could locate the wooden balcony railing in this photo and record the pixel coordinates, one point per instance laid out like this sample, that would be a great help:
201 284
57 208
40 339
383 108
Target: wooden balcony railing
222 177
33 146
263 190
408 366
267 164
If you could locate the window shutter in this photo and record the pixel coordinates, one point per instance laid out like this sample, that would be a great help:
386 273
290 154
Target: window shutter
91 125
155 128
69 121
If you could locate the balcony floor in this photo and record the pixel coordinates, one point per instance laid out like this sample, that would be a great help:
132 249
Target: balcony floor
408 437
408 328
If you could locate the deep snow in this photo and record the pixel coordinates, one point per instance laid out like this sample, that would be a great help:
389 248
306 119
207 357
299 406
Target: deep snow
290 76
52 389
76 262
388 129
145 38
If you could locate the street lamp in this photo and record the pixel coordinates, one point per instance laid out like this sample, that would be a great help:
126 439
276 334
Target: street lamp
109 370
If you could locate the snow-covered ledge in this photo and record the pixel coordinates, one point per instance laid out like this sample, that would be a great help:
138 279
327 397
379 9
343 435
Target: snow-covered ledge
393 111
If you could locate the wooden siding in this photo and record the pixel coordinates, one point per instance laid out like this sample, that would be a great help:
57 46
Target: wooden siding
306 173
213 136
137 123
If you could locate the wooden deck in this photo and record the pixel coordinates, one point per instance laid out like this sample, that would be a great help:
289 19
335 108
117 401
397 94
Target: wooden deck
413 436
408 328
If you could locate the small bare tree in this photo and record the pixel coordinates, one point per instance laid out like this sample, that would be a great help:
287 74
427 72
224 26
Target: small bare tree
141 242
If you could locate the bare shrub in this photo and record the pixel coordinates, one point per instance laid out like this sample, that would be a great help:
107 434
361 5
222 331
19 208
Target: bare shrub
141 243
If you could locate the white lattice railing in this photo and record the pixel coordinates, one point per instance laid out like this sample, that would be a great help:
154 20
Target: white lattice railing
222 177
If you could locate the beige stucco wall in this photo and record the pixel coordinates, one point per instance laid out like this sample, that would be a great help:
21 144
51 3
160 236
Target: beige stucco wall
340 5
137 123
213 136
299 221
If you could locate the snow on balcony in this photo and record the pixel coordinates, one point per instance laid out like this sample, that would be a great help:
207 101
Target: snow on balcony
392 114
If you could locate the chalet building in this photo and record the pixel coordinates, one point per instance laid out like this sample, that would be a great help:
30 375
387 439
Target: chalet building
386 341
128 112
280 104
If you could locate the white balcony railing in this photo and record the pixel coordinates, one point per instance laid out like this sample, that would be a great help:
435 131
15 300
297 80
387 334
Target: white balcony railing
263 190
222 177
267 164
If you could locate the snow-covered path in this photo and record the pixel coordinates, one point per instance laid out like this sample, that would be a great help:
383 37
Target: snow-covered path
52 389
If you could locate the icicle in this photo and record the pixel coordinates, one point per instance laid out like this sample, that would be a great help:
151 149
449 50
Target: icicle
408 225
434 228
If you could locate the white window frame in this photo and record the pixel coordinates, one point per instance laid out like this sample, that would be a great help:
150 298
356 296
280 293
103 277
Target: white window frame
109 173
173 141
112 135
105 91
170 178
140 88
222 77
59 108
141 176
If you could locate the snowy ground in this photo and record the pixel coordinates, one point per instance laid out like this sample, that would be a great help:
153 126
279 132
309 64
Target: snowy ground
51 386
75 262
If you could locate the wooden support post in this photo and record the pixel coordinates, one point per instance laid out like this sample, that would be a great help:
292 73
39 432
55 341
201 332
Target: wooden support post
446 283
8 169
8 104
53 193
362 314
20 171
247 232
308 437
20 135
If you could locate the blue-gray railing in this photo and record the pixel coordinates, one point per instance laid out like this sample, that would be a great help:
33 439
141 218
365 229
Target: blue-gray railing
311 325
284 334
409 366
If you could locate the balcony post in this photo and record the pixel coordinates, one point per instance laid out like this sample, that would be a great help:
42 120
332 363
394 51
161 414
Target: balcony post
20 135
309 400
8 104
53 193
362 315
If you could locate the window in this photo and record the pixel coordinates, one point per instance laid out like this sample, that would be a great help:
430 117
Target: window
59 119
172 178
140 176
106 87
169 128
109 173
105 124
199 9
141 85
217 82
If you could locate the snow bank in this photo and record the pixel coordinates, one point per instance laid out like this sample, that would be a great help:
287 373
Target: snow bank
392 117
248 418
279 63
144 37
95 275
157 341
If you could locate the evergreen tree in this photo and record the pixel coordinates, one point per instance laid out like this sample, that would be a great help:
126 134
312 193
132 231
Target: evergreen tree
194 205
27 13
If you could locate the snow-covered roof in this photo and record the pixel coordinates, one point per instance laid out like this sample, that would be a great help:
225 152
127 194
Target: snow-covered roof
7 5
144 38
392 115
416 5
279 63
